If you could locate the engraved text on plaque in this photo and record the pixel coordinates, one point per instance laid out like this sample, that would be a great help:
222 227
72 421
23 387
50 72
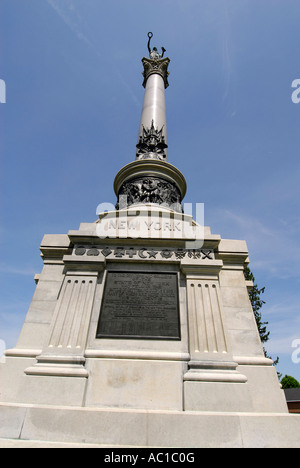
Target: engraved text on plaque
140 305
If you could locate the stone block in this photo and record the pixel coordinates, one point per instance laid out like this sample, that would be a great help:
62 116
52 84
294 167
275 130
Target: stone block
52 390
264 388
232 278
40 312
11 420
86 425
33 335
239 318
52 272
140 428
232 246
194 430
245 342
47 291
270 431
12 378
55 240
146 384
235 297
217 396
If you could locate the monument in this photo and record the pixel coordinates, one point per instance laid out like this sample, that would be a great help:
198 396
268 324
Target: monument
140 332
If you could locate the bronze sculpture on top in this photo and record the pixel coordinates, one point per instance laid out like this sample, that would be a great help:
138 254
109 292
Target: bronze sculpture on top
153 54
150 178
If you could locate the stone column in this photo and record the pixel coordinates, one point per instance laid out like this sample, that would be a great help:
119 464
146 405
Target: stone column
150 179
152 138
210 352
63 354
211 357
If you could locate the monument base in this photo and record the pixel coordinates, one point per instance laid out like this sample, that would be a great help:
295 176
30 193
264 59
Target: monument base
138 336
31 425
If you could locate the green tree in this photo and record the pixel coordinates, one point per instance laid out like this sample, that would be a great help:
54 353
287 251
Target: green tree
257 302
289 382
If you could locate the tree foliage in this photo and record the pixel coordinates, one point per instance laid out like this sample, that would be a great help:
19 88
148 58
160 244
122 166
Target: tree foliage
289 382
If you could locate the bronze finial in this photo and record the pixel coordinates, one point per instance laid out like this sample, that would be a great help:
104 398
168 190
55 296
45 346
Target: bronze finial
154 54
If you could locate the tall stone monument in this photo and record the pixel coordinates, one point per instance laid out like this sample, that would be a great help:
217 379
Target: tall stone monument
140 331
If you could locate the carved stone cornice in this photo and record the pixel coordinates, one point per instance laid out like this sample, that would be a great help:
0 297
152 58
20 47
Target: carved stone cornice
156 66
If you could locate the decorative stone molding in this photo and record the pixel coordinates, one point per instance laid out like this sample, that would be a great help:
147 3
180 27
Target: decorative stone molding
141 252
151 144
150 190
156 66
150 181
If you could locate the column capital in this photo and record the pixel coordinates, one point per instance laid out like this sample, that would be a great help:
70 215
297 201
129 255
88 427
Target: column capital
90 266
199 269
156 66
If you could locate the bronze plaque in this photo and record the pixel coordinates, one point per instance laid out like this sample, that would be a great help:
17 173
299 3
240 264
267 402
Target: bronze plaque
140 305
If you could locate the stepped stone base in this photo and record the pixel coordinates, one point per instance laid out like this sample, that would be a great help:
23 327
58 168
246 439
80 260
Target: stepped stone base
33 426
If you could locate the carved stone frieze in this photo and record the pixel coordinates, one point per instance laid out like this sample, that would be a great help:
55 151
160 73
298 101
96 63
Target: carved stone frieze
150 190
144 252
150 181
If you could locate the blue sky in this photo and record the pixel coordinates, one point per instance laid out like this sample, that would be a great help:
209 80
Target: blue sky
72 70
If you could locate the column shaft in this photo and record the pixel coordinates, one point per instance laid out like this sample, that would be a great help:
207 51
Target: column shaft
154 106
